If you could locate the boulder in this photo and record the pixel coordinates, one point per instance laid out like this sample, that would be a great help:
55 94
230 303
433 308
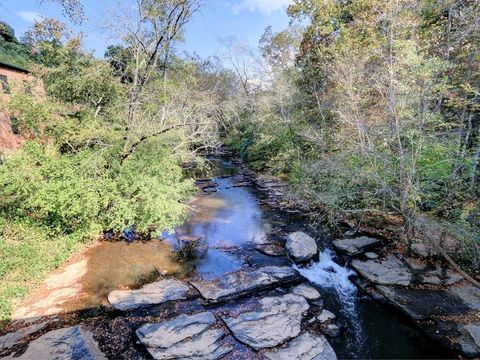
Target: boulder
391 271
277 321
307 291
355 246
152 294
301 246
71 343
185 337
304 347
244 282
371 255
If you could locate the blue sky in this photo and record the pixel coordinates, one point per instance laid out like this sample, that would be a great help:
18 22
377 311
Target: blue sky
243 19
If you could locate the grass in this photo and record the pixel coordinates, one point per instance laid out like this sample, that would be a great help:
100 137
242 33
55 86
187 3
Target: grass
27 254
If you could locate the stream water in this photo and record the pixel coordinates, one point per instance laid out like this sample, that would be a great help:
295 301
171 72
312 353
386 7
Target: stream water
226 227
233 220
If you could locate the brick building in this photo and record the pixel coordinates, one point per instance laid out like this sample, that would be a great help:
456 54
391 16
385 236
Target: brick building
14 79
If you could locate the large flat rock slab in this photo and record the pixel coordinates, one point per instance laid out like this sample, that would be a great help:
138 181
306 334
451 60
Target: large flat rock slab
185 337
244 282
423 304
304 347
277 321
355 246
301 247
73 343
391 271
152 294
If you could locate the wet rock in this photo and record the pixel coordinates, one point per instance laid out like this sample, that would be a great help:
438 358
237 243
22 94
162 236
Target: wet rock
332 330
355 246
469 295
301 246
371 255
71 343
391 271
271 249
326 316
440 276
307 291
318 303
151 294
422 304
277 320
304 347
185 337
243 282
14 338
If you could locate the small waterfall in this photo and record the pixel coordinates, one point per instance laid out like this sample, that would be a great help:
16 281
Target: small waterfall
329 275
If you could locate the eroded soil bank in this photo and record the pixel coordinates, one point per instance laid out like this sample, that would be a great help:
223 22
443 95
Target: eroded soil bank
226 285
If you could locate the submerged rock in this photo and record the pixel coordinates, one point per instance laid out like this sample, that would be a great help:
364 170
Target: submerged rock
307 291
185 337
391 271
277 320
355 246
243 282
304 347
73 343
151 294
302 247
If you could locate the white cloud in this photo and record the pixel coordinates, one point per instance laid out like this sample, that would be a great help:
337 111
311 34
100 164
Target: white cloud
29 16
264 6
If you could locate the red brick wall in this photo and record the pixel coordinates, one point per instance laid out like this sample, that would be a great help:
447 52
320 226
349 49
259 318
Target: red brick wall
8 140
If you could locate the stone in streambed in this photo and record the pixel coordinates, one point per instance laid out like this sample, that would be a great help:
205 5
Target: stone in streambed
304 347
277 321
73 343
152 294
307 291
391 271
185 337
355 246
244 282
301 247
271 249
325 316
14 338
440 276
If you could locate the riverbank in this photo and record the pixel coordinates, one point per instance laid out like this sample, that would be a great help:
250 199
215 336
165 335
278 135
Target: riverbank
233 264
420 284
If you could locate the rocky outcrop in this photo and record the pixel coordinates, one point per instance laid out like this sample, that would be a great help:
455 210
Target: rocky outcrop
355 246
277 321
304 347
185 337
152 294
73 343
244 282
307 291
391 271
301 247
